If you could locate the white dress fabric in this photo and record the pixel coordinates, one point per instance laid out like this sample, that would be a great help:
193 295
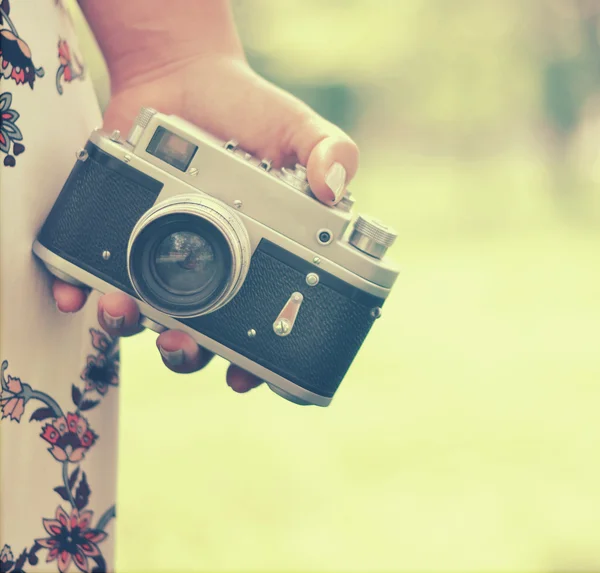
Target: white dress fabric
58 428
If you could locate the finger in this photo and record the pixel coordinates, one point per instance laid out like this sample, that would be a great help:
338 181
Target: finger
241 381
331 166
118 314
330 156
180 352
68 298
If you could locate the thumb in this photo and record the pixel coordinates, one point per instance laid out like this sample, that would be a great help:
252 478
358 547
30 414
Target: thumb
330 156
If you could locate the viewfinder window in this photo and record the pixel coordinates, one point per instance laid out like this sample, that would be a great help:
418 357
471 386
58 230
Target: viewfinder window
172 149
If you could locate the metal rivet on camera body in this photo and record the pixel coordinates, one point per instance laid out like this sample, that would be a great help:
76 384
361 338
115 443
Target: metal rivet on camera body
115 135
231 145
265 164
193 171
312 279
106 255
251 333
282 327
237 204
127 158
324 236
317 260
376 312
81 155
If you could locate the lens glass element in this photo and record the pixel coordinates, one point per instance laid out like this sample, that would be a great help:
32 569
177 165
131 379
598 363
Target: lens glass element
185 263
181 264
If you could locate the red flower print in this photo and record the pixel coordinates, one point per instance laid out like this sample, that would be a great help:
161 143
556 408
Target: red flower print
14 385
71 539
8 563
100 341
64 57
12 405
15 59
10 134
7 559
68 69
70 438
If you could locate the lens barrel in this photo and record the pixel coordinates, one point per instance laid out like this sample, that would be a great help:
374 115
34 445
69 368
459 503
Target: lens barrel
188 256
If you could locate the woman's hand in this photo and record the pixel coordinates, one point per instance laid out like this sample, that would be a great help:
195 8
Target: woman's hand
222 95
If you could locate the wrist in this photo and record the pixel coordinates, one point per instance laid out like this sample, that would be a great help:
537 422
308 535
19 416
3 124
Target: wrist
139 37
134 68
174 88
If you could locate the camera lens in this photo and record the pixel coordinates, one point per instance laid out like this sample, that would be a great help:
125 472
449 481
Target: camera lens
185 263
187 258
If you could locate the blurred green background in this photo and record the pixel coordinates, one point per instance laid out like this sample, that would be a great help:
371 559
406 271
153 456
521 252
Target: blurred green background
465 437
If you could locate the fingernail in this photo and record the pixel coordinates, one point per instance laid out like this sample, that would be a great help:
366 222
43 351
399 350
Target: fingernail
112 321
172 357
336 180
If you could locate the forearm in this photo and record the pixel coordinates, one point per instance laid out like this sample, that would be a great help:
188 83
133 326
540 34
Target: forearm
142 37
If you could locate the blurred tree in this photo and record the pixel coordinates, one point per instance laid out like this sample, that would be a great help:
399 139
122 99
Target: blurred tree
570 75
462 78
430 70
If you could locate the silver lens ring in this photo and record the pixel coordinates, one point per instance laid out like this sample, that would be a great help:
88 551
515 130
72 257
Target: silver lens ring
224 220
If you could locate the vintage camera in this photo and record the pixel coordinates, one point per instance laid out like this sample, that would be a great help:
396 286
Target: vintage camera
212 241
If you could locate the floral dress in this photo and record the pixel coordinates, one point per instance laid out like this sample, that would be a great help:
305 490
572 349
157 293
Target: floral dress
59 372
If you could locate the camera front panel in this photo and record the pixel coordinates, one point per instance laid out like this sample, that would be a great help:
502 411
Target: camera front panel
95 213
332 322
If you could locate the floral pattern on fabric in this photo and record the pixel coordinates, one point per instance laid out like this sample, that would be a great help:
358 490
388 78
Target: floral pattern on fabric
70 538
102 369
70 439
15 65
15 55
8 564
70 67
10 134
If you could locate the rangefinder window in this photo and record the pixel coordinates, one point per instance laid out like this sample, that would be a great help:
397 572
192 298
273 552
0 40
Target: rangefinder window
172 149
